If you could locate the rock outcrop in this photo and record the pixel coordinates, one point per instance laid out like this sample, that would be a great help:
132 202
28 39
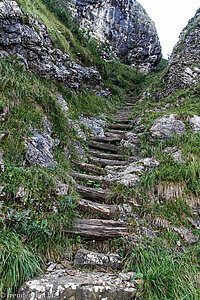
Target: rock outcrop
184 63
167 126
80 285
124 25
30 42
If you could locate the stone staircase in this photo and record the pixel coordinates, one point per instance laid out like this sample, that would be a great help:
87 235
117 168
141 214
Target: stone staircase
103 151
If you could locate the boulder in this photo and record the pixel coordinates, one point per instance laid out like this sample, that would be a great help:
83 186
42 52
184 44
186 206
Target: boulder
88 258
77 285
167 127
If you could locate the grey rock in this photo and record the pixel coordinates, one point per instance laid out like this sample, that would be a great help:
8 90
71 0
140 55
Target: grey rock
195 222
130 141
79 132
129 176
167 126
95 125
88 258
22 192
61 189
39 147
195 123
183 68
2 192
79 286
175 153
51 267
2 167
30 42
1 203
184 232
63 104
125 26
80 152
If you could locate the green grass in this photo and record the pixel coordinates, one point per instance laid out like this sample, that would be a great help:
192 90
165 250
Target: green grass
18 263
165 274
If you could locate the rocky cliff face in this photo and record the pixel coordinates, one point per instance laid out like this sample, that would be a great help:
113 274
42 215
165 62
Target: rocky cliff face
184 63
126 26
28 39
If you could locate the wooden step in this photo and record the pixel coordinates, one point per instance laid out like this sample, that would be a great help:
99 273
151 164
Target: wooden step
114 135
104 211
128 107
96 229
130 104
120 126
99 154
118 132
88 168
103 146
108 162
107 139
93 193
123 120
81 176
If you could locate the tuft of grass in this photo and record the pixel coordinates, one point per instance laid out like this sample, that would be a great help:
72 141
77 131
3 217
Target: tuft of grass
165 274
18 263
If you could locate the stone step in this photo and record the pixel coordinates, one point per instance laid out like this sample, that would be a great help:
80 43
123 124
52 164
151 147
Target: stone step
108 162
93 193
104 146
96 229
94 259
120 126
106 139
104 211
103 155
88 167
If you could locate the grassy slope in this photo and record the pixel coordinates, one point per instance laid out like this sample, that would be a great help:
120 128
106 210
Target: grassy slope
170 192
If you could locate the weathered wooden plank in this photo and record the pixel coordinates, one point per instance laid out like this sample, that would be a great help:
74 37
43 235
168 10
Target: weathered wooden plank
112 131
106 139
120 126
99 229
104 146
93 193
108 162
98 154
81 176
104 211
88 168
